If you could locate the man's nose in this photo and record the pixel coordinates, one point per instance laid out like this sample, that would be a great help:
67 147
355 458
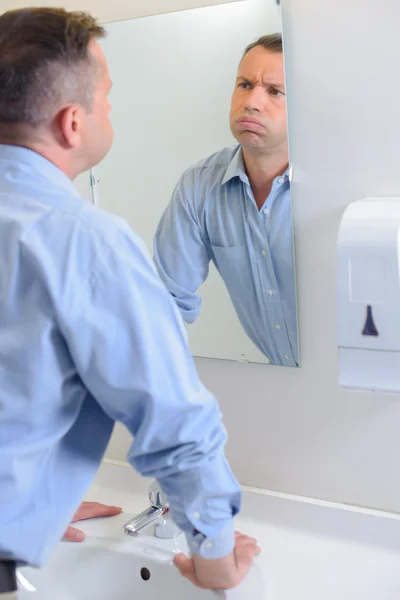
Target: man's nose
256 99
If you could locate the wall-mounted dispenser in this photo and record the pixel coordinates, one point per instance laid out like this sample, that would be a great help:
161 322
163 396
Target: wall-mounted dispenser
368 283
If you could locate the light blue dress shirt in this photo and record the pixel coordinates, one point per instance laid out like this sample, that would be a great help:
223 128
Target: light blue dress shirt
90 335
213 216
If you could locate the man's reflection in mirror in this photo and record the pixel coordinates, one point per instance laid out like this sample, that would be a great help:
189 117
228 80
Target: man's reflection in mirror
234 209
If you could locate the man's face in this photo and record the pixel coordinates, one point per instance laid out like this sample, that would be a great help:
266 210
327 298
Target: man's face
258 108
98 132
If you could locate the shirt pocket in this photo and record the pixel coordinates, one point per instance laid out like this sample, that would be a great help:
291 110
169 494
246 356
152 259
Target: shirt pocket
233 265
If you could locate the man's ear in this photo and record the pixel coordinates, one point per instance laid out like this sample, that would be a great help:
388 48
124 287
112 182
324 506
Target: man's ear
70 122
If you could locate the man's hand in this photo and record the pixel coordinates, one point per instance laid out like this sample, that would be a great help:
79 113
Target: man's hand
88 510
223 573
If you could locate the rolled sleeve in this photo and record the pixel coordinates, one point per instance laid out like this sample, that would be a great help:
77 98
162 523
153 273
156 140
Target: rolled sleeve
204 501
215 547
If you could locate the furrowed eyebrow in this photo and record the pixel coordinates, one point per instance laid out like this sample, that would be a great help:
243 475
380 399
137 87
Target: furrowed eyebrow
279 86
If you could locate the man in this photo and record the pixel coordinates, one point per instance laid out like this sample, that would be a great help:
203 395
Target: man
89 335
234 208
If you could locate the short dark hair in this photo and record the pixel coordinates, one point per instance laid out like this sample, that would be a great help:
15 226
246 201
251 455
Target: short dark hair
272 42
44 62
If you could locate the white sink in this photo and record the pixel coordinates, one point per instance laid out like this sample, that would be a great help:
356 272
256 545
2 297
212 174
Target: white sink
310 551
109 565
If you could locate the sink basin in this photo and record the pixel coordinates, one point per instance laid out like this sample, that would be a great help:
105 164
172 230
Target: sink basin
310 551
111 565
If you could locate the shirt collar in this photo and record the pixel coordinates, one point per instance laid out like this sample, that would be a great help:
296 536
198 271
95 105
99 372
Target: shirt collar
27 159
236 168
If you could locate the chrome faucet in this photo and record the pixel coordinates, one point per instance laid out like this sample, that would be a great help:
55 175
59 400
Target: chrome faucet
158 514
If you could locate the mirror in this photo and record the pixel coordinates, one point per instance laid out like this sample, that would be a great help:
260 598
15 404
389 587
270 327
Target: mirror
213 208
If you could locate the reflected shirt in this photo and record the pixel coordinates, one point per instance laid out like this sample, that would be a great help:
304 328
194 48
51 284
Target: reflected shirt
213 216
90 335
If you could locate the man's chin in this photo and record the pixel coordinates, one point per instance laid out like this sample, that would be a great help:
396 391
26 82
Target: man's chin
246 137
250 139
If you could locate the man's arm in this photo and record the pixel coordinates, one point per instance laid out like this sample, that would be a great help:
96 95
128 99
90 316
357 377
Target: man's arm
129 345
180 250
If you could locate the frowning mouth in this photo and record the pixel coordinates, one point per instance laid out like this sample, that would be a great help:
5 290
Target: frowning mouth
248 121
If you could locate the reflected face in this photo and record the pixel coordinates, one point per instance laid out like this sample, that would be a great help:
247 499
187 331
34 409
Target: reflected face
258 108
98 131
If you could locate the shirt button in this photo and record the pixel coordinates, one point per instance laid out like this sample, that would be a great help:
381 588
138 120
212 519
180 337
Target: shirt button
266 211
281 180
286 356
263 252
195 544
270 292
196 515
277 326
208 545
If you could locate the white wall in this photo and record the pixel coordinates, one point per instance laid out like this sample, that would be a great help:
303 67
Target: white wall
115 10
294 430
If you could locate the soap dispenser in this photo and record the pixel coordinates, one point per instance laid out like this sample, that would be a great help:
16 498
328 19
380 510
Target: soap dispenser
368 295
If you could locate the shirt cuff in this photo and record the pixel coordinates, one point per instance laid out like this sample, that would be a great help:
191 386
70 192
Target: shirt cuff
213 548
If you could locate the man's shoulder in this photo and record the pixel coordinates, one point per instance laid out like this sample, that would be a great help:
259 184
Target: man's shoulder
98 221
103 228
214 166
78 244
72 222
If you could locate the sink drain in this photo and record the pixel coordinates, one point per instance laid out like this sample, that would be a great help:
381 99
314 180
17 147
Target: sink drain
145 574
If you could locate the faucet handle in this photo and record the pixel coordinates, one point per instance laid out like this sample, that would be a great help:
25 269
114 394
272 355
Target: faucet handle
157 497
165 527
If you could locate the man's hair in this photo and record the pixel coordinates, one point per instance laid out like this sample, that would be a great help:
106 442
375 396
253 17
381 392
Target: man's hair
44 64
271 42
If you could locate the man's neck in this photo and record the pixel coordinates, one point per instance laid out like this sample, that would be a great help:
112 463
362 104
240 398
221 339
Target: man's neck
55 155
51 153
262 169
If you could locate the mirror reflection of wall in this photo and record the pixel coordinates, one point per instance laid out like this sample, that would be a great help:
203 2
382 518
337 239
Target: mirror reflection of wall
208 186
